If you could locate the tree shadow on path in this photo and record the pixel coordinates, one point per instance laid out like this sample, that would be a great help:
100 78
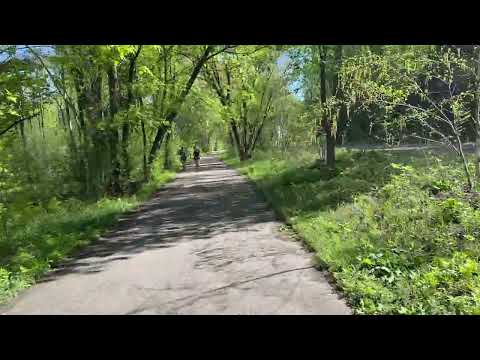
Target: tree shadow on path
199 204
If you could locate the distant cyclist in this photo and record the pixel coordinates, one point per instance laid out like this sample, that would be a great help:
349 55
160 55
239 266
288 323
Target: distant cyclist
183 157
196 156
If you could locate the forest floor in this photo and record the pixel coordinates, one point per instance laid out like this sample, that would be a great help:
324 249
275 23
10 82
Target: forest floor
205 244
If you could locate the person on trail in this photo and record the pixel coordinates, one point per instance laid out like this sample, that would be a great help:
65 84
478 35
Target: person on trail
196 156
183 157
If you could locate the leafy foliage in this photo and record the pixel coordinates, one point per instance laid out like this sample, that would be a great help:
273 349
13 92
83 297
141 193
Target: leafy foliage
88 131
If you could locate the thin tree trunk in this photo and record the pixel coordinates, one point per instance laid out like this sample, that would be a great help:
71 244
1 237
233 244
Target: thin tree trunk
327 123
42 120
83 139
167 163
477 113
157 143
245 125
22 133
144 149
165 80
330 148
236 137
97 148
225 99
465 164
256 137
78 174
114 94
126 124
256 133
144 144
230 138
125 155
331 136
81 98
61 116
162 129
342 119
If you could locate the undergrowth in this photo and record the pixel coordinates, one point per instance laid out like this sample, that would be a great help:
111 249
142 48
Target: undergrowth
41 237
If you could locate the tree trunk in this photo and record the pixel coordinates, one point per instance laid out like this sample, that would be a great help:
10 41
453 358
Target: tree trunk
42 120
70 131
81 98
336 91
162 129
342 126
157 143
83 139
330 150
477 114
245 141
22 133
230 138
465 164
144 152
125 155
236 137
144 144
167 163
97 145
114 93
126 124
76 163
255 140
257 135
342 120
326 122
166 79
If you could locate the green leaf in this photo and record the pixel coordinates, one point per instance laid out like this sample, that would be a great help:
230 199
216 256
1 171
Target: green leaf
11 98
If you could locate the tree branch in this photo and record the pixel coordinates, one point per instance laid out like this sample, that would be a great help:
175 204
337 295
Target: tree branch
59 88
18 122
225 48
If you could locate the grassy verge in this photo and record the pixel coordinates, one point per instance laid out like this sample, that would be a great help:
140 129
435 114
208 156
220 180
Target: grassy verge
395 229
41 239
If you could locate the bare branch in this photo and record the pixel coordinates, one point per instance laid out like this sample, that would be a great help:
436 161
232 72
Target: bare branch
254 51
225 48
431 101
16 122
427 139
55 82
426 124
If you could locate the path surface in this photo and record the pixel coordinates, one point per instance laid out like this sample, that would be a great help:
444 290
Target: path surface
468 148
205 244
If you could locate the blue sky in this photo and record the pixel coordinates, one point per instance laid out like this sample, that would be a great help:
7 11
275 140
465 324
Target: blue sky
23 52
282 62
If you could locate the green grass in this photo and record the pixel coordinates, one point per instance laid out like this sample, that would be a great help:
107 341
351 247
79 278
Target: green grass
395 229
41 239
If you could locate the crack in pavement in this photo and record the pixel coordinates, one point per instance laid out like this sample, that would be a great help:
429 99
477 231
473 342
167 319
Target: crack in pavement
202 294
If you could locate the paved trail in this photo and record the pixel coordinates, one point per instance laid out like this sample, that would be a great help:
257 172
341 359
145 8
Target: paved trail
205 244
